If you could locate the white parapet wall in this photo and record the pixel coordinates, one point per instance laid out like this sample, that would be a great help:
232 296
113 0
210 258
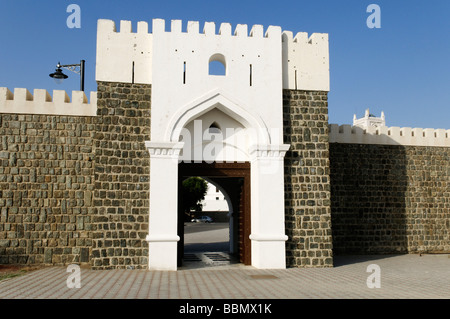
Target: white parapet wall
40 102
123 55
306 62
127 55
347 134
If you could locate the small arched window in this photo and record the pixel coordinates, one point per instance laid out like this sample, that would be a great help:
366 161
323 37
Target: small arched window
214 128
217 65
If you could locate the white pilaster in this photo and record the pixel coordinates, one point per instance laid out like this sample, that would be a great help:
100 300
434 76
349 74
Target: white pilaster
267 201
162 238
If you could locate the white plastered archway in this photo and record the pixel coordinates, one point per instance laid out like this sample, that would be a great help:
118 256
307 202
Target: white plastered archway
220 100
267 186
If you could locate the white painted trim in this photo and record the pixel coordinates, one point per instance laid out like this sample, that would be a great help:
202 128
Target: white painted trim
269 151
162 238
269 237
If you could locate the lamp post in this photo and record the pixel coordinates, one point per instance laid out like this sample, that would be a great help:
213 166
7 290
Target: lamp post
59 76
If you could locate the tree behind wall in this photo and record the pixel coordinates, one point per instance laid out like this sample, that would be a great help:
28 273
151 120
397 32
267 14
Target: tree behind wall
194 191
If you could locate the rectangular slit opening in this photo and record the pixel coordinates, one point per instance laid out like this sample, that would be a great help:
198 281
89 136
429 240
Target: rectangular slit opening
251 75
295 78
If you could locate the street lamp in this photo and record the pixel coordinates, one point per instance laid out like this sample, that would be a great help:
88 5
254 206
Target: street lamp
59 76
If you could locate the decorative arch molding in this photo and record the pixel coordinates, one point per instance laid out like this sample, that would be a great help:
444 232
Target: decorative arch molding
211 100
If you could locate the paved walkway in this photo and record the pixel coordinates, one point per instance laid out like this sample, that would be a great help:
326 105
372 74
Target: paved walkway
406 276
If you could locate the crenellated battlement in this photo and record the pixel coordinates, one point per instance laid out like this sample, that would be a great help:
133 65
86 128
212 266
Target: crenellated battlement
306 61
126 54
109 26
302 38
209 28
348 134
192 27
41 102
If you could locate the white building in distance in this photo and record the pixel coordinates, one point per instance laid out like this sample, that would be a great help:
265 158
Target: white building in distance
369 120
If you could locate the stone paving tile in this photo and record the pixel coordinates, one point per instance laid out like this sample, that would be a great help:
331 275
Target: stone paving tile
402 277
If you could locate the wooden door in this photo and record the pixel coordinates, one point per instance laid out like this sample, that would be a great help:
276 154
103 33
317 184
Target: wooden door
244 223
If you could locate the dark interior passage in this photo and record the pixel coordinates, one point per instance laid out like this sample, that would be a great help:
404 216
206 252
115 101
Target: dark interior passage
234 179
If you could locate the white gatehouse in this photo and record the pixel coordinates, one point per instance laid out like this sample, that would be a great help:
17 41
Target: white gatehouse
206 118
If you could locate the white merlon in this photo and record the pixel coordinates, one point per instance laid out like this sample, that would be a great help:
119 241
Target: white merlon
347 134
241 30
225 29
127 56
40 102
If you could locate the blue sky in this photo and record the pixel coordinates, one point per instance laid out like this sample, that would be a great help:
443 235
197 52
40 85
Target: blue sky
402 68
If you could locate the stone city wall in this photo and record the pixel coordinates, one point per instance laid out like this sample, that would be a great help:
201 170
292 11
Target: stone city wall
390 199
46 188
75 189
307 183
121 176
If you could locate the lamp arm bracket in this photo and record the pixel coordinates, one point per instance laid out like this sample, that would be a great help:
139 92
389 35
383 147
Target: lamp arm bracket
76 68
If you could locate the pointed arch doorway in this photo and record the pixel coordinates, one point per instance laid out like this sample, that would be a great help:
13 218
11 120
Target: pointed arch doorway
235 179
189 138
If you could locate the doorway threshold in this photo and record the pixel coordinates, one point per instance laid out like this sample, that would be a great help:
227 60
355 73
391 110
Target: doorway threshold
210 260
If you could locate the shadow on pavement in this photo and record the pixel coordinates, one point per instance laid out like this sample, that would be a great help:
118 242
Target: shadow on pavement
344 260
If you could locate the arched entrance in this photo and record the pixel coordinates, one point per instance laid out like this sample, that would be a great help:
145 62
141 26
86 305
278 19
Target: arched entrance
234 178
212 137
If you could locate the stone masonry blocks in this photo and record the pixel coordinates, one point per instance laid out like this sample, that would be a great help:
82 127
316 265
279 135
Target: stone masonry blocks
75 189
46 187
390 199
307 182
122 170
